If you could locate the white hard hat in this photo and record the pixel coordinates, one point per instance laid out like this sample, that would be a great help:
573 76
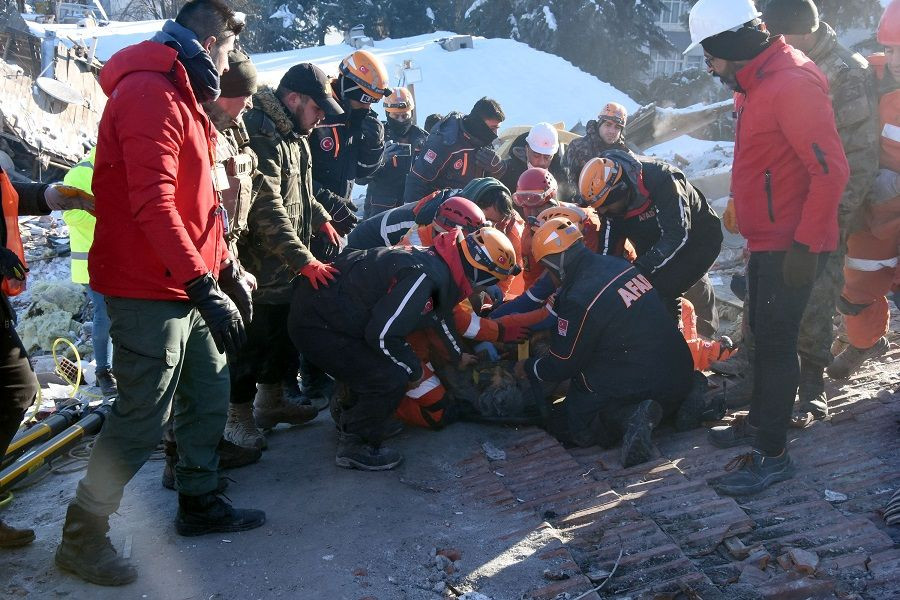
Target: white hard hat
543 139
712 17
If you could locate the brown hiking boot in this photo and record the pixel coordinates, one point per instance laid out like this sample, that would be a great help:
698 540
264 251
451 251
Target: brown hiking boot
270 408
850 360
10 537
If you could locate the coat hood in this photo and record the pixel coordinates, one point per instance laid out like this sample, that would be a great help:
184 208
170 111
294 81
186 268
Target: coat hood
266 101
146 56
779 56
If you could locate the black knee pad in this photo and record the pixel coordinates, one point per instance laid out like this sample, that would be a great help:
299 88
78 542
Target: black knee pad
845 307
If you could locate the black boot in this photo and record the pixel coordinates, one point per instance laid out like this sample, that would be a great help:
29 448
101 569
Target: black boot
355 453
208 513
232 456
171 450
811 394
637 446
86 550
10 537
106 381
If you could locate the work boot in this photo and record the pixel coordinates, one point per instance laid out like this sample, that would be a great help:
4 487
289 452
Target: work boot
232 456
10 537
637 445
86 550
850 360
270 408
208 513
811 397
106 381
738 433
753 472
354 453
318 387
695 409
240 428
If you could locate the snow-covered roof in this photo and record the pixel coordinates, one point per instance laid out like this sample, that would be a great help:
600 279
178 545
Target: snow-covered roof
111 38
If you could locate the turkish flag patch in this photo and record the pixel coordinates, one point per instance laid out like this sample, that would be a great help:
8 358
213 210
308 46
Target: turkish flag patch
430 156
458 164
429 306
562 327
327 144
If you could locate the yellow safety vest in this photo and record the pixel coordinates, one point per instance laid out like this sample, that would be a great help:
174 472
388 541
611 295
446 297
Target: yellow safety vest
81 223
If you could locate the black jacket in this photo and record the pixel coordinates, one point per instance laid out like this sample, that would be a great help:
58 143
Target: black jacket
447 160
613 333
340 155
386 185
517 163
389 227
667 216
31 202
382 295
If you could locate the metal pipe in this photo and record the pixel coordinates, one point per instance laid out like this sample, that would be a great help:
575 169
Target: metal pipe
39 432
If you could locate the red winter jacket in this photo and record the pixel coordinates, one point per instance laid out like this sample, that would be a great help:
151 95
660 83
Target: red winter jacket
789 166
158 224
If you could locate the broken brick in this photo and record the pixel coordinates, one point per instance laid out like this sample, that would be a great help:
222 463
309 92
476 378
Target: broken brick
804 561
452 553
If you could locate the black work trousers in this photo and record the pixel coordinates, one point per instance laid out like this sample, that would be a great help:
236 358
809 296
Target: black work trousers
376 384
267 357
18 384
775 310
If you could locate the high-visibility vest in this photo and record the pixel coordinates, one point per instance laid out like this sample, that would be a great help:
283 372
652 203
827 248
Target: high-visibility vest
10 199
81 223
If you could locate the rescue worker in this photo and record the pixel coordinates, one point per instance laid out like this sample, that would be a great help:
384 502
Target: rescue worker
458 150
18 384
538 148
356 328
628 366
788 176
284 216
536 190
453 212
403 141
349 145
872 250
855 107
675 233
606 132
81 235
160 258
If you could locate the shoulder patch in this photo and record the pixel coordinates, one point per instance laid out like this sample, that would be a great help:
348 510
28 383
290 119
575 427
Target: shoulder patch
327 144
458 164
562 327
430 156
429 306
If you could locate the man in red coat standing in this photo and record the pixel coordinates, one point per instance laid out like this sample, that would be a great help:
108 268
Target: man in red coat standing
176 300
788 175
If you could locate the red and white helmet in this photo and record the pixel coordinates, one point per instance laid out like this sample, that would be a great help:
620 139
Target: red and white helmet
536 187
457 211
889 26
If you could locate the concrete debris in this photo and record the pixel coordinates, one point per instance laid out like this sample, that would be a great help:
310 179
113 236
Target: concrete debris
832 496
474 596
557 574
752 575
493 452
759 559
736 548
50 315
453 554
597 575
804 561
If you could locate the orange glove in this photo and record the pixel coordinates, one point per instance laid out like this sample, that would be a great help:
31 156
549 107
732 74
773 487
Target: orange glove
729 219
319 273
330 233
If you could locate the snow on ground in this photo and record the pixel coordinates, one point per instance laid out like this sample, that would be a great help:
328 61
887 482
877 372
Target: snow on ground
111 38
702 156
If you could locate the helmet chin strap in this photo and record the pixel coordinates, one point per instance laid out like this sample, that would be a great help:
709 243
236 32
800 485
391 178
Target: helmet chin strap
557 264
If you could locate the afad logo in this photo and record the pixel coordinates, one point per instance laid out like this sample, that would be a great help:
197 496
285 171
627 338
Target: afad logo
327 144
458 164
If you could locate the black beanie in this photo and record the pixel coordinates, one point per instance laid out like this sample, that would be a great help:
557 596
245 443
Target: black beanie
240 79
744 44
791 17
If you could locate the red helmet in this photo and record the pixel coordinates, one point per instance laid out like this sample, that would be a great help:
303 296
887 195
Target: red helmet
459 212
889 27
536 187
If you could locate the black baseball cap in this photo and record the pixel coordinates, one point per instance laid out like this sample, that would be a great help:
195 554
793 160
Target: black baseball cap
310 80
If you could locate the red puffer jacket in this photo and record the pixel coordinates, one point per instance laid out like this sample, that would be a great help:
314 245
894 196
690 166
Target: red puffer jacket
789 166
158 220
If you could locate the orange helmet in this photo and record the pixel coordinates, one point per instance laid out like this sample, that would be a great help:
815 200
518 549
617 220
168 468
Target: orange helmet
889 26
554 237
614 112
489 250
400 101
367 74
536 187
598 177
572 213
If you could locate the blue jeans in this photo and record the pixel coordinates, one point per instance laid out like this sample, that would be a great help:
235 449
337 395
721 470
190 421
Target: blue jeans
100 334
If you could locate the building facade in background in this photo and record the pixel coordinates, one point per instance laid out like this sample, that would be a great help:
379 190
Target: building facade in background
673 21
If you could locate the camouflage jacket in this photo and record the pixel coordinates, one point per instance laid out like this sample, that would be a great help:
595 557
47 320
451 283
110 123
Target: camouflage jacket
855 107
580 151
284 214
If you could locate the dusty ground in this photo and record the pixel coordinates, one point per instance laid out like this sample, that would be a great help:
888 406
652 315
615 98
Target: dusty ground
541 523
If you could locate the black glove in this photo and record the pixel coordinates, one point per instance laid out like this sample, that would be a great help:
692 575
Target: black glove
233 281
221 315
11 266
490 161
800 266
371 130
343 216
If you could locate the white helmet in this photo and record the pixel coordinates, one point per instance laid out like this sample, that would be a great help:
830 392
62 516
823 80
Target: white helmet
712 17
543 139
